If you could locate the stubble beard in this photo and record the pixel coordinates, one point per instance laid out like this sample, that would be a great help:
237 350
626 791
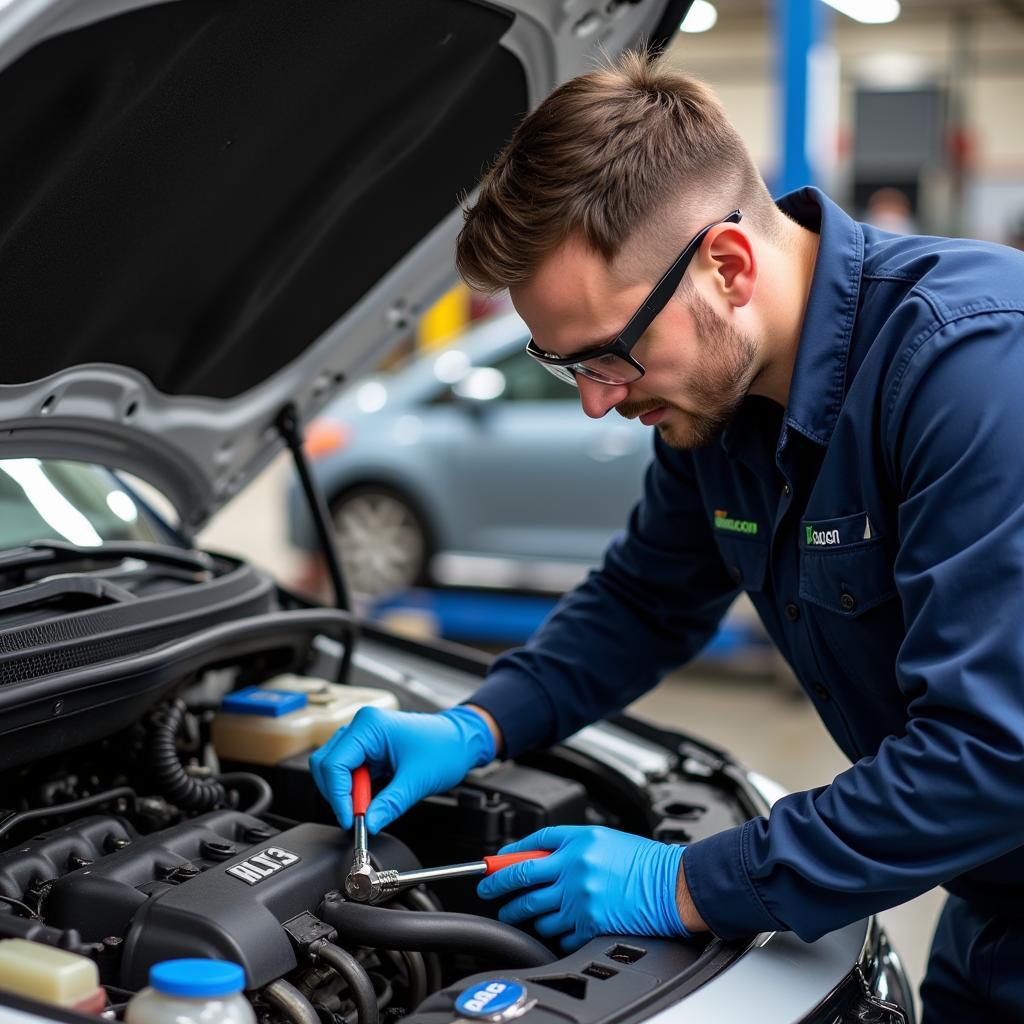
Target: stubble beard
717 386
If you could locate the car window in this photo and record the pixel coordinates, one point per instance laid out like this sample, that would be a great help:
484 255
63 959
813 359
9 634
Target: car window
527 381
42 499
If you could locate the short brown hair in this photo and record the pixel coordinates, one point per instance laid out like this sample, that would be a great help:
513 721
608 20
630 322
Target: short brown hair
601 157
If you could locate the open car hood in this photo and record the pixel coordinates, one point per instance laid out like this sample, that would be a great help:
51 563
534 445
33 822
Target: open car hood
211 209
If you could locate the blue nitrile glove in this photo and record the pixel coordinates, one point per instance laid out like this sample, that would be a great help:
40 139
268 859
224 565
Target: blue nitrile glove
598 881
426 753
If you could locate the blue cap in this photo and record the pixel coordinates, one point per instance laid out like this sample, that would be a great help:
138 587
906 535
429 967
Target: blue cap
197 977
493 999
256 701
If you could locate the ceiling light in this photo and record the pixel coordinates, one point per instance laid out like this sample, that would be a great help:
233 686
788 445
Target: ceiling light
700 17
870 12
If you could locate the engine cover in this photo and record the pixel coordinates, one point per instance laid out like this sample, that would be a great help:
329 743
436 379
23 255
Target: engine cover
220 885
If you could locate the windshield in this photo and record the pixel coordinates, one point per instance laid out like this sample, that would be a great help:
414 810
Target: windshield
43 500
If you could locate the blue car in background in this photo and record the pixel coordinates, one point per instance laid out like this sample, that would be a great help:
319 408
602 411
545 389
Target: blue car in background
471 466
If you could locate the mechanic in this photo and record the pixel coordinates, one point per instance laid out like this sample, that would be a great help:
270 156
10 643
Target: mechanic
839 433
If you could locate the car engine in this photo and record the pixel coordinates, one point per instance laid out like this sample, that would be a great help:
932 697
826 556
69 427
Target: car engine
223 885
180 836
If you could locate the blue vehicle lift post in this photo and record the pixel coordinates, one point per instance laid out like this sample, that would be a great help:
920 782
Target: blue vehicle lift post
799 26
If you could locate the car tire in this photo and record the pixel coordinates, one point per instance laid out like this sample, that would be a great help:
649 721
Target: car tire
382 539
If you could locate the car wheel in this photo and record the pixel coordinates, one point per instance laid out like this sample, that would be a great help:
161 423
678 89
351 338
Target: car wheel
381 538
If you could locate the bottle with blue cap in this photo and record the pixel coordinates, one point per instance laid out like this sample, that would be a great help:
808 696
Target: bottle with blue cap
192 992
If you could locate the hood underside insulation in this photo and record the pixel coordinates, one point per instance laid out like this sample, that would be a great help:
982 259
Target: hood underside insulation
199 189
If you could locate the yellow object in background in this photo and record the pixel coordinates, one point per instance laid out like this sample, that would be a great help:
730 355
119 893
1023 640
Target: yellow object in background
446 319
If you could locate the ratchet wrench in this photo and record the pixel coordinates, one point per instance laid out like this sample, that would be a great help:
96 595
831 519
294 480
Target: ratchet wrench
364 884
383 884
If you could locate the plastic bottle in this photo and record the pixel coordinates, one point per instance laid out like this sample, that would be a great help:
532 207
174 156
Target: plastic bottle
286 715
50 975
192 992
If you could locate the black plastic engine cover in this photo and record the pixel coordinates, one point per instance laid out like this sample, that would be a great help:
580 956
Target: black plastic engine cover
101 899
235 910
220 885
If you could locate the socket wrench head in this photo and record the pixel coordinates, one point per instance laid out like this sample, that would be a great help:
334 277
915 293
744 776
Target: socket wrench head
361 884
364 885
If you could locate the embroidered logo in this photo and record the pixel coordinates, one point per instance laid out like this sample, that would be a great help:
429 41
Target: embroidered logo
723 521
846 530
822 537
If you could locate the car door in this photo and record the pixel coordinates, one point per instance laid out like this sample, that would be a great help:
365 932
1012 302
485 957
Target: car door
541 479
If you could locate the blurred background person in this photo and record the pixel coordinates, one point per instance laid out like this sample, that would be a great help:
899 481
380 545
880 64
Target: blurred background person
889 209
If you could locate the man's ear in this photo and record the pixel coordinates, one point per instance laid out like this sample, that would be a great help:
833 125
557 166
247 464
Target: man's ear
728 256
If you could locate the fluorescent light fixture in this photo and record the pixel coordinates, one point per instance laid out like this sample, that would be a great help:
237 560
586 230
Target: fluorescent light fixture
893 70
869 12
700 17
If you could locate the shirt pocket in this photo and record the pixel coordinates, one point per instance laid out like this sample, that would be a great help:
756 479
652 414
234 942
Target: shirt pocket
848 579
746 560
854 606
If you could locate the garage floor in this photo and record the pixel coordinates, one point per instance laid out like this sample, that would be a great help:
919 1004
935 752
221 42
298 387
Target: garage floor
766 723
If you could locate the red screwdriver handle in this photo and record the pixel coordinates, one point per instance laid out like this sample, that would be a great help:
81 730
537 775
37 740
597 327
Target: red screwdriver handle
360 790
502 860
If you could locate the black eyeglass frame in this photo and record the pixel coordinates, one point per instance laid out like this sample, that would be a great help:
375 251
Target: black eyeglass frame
624 342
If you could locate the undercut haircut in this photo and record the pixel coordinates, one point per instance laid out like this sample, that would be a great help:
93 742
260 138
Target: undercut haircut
607 156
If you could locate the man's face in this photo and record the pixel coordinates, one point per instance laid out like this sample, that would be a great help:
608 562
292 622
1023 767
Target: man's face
699 367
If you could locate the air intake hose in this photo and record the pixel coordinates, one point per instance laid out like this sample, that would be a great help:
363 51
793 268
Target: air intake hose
432 933
180 788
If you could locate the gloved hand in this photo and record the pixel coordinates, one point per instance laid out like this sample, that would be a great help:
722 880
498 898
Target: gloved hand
426 753
598 881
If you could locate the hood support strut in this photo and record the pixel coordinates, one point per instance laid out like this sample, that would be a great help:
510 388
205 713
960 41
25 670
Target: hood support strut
291 432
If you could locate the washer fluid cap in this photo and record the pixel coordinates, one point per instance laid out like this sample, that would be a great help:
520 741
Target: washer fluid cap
497 999
197 978
254 700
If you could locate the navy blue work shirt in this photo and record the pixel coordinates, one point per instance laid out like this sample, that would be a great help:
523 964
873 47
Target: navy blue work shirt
878 526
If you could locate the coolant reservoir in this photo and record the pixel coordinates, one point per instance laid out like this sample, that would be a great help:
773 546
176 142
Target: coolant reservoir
52 976
192 992
288 714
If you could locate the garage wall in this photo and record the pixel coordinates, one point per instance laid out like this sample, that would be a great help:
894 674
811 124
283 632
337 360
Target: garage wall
977 58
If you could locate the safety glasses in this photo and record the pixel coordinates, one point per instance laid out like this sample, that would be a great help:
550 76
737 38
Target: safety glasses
612 362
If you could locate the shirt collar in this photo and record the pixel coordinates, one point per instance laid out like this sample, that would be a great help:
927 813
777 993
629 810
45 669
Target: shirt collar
818 386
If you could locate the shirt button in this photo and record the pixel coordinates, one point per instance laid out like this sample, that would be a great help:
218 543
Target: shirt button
792 612
847 602
736 573
820 692
786 490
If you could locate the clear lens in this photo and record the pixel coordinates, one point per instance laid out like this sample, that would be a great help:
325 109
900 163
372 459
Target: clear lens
608 369
561 372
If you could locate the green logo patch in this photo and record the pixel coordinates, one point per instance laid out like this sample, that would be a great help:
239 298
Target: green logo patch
832 532
723 521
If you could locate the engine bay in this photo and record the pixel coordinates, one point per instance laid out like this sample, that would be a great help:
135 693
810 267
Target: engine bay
199 832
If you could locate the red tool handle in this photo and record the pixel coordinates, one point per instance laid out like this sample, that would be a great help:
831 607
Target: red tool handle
502 860
360 790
